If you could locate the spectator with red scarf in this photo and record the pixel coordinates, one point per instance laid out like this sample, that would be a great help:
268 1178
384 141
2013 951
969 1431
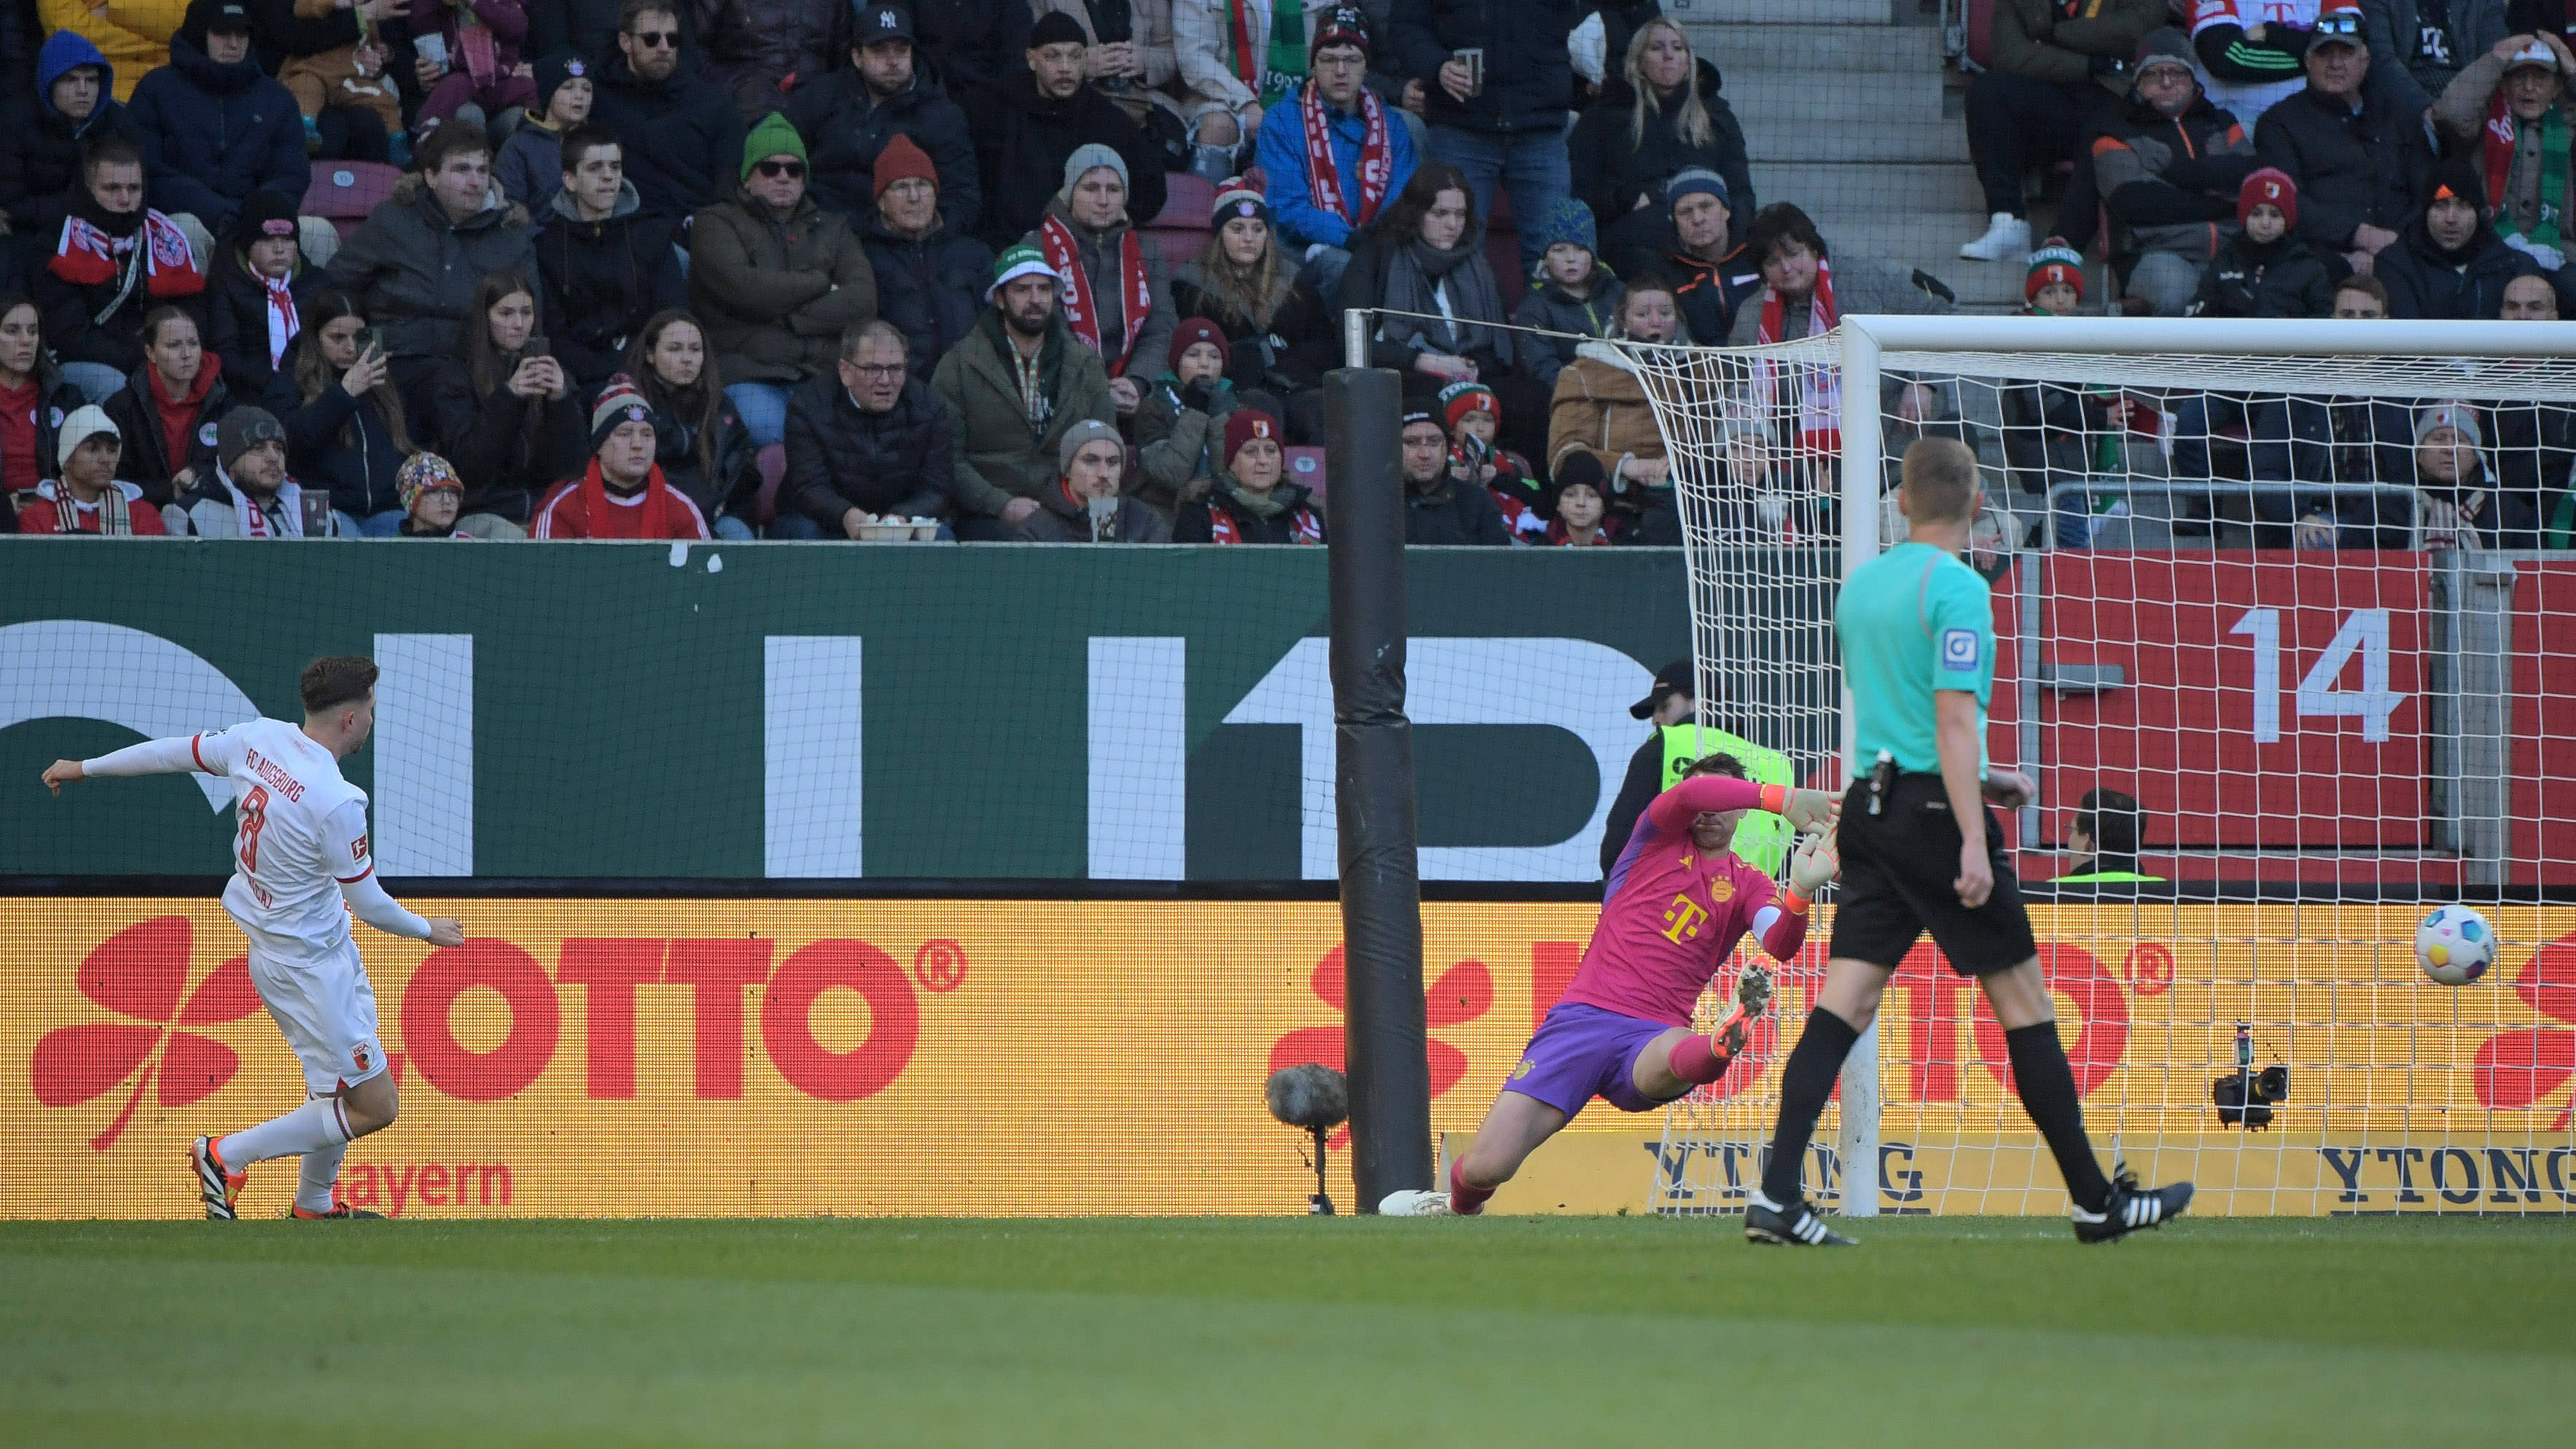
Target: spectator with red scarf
1333 153
1117 294
1249 502
622 494
1804 293
87 498
1474 417
114 260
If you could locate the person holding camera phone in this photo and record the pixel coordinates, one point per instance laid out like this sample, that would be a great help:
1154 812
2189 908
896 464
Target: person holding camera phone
347 431
507 418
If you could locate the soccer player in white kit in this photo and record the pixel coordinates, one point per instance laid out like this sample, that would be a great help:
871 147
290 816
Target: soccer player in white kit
300 870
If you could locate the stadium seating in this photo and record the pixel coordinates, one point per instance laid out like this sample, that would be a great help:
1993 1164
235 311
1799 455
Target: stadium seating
343 192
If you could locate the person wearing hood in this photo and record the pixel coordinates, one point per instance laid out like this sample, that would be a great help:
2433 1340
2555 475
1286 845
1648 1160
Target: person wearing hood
2509 108
1600 410
1248 501
1661 114
1016 386
115 261
246 493
214 127
1029 125
2265 270
133 36
41 138
777 280
2451 265
1085 504
169 408
414 263
930 272
849 117
607 267
1182 420
84 494
529 169
1574 295
682 133
261 287
622 493
2168 170
1117 295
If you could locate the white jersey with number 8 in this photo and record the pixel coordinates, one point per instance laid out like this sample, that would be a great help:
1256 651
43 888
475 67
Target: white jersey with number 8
300 832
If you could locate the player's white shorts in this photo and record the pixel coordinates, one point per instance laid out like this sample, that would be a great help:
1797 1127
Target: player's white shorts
327 1009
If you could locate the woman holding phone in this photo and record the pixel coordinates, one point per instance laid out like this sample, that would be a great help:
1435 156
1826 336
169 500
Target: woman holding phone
506 417
345 426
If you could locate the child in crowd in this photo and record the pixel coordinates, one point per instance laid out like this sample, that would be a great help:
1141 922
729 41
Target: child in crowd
2265 270
352 75
432 496
1475 418
530 166
261 287
1582 514
2054 285
1182 419
1572 293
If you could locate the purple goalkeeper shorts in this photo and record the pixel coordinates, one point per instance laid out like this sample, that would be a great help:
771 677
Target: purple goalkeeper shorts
1582 1051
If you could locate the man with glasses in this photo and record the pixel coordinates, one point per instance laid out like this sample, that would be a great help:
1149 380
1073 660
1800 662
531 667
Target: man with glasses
2169 170
683 137
866 444
1320 193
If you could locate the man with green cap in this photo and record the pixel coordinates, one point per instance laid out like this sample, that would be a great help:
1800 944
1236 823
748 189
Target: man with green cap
1016 385
775 279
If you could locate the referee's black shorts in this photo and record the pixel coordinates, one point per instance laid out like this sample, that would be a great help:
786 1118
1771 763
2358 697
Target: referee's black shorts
1898 869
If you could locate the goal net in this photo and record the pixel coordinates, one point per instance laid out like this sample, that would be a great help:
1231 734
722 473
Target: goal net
2286 627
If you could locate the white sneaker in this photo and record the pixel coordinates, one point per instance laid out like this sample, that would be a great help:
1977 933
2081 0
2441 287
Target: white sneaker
1414 1203
2007 238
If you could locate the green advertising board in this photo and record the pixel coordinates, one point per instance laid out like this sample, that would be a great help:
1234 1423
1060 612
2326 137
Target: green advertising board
987 713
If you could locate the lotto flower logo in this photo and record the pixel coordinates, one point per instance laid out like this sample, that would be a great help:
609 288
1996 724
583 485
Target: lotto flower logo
141 973
2516 1070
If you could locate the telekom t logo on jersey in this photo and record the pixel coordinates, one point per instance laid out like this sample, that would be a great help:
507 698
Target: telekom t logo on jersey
1684 917
141 974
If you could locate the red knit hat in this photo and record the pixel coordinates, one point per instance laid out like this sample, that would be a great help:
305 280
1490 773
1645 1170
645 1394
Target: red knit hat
1461 398
2268 187
903 157
1245 424
1189 334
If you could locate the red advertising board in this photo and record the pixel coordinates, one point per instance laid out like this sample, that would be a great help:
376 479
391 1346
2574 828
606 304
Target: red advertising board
2266 700
2543 724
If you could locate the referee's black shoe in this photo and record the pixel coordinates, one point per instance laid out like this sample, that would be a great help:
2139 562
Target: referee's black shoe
1794 1226
2131 1208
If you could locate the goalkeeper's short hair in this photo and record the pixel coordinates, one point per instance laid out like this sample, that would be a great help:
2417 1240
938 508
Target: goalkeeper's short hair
1720 763
2113 820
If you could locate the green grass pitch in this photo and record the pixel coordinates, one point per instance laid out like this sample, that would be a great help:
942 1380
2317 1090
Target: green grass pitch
1291 1331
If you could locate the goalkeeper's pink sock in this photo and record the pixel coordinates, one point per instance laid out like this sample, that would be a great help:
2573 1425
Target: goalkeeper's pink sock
1695 1060
1465 1199
316 1124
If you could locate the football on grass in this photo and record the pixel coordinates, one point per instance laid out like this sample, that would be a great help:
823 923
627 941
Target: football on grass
2455 945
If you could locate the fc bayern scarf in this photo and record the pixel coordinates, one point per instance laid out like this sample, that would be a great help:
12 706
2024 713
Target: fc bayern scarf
1820 429
1377 156
2496 148
88 257
1081 309
257 521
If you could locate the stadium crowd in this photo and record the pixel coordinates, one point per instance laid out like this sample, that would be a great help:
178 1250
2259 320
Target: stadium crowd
1074 269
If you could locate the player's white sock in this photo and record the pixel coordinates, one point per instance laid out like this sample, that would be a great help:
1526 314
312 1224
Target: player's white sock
320 1174
316 1124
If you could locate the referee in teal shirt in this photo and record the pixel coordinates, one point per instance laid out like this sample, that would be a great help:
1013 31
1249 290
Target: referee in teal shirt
1921 851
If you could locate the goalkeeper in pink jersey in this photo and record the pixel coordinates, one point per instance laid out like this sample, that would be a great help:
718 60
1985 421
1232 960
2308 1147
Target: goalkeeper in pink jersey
1677 904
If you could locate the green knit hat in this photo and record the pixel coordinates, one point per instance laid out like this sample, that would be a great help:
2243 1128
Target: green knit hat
772 137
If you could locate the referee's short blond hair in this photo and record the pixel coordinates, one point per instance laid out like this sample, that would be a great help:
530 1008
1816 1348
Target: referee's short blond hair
1940 480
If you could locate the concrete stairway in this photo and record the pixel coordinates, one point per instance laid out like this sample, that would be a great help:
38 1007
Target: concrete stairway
1845 113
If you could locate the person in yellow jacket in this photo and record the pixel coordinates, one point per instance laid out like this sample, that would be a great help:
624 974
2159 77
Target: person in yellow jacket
1762 841
134 35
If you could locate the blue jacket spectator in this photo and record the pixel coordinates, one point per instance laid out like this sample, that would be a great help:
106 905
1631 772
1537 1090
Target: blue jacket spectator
213 126
41 142
1309 218
1504 126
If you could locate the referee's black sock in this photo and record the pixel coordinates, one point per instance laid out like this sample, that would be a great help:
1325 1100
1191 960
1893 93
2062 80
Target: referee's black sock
1805 1082
2047 1087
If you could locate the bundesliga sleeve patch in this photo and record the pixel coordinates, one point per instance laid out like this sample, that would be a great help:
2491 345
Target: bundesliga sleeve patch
1959 648
358 850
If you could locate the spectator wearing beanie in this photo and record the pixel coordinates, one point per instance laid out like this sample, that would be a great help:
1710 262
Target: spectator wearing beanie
261 286
1015 386
1278 335
1183 416
2265 270
1438 509
1117 293
42 140
1474 417
1085 504
1659 114
930 271
1578 511
776 279
84 495
2053 82
247 493
1249 500
684 136
2168 170
343 77
622 493
2506 108
432 497
870 441
607 267
2359 158
1028 124
1712 275
214 127
1335 153
530 166
1507 129
2054 284
2051 427
2450 265
849 117
1573 294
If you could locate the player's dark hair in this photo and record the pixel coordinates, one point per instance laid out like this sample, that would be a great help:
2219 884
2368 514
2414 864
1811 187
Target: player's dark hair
334 680
1720 763
1941 477
2112 819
